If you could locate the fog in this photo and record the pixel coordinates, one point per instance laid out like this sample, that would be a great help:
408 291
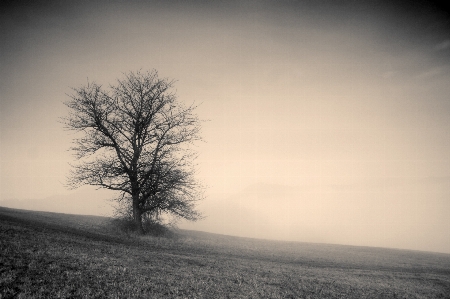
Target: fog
327 122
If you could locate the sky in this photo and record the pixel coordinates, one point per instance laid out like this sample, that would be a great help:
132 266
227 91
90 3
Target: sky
328 121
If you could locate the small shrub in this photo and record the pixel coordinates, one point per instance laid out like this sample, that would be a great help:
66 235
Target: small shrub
124 225
156 228
152 227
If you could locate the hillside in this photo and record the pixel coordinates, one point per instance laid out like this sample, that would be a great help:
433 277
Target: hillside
61 255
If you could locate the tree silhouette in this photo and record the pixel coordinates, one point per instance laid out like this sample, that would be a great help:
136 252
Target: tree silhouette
136 138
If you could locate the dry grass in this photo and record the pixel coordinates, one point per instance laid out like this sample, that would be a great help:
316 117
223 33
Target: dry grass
47 255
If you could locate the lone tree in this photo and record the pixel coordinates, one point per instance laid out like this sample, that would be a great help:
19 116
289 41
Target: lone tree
136 138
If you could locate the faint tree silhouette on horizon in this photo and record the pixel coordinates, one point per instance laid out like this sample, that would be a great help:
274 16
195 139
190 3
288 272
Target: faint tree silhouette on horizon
136 138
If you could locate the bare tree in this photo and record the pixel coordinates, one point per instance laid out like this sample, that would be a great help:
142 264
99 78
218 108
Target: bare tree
136 138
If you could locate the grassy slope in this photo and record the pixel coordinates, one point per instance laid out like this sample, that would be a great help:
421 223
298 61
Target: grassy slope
59 255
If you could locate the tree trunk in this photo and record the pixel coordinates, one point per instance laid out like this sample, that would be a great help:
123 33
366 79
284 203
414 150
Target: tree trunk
137 215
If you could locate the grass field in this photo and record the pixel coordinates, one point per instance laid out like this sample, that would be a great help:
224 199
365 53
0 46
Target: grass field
50 255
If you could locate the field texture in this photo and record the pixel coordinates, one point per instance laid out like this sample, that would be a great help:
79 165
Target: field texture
49 255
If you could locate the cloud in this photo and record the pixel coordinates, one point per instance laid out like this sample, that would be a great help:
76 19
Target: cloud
389 74
444 45
432 72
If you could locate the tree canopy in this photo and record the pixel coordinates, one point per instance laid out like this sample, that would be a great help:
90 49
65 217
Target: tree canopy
136 138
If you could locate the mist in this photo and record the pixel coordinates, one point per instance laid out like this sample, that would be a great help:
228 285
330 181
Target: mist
327 122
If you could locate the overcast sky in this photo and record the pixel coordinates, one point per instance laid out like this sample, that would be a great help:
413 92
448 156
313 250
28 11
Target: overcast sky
329 120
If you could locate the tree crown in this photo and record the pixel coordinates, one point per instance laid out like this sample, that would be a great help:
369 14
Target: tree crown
136 138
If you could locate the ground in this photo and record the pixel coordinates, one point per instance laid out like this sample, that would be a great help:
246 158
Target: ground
50 255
